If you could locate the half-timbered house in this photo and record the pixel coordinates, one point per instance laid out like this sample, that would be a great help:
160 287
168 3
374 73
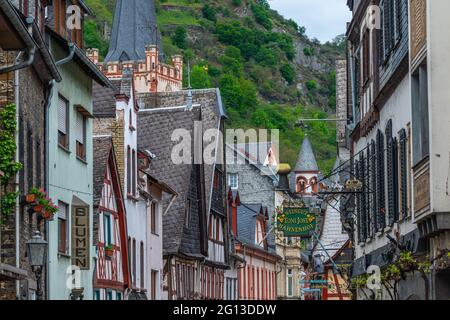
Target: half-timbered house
195 228
111 276
257 279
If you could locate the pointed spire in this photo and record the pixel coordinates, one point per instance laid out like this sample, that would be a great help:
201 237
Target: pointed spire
306 160
134 27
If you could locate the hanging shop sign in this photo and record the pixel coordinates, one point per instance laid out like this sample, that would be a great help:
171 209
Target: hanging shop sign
80 238
297 221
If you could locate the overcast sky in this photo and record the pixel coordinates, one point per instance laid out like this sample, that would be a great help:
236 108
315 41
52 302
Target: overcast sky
323 19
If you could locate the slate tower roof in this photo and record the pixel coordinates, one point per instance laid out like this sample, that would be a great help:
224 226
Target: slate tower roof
134 27
306 161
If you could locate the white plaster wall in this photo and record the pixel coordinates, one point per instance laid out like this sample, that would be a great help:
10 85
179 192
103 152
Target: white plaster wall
397 108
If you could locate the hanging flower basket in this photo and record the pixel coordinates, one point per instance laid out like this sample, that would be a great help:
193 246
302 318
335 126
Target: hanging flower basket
48 215
42 203
31 198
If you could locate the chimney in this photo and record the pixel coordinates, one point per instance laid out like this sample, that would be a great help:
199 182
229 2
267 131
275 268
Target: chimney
92 54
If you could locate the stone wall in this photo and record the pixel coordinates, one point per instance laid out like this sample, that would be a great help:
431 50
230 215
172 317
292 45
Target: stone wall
31 150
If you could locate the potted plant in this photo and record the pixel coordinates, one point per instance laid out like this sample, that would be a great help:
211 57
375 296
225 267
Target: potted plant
109 251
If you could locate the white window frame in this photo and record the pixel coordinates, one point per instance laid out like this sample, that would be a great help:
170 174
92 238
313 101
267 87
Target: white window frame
234 186
289 279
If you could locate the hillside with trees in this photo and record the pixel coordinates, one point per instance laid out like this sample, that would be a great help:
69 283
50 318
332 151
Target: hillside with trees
269 72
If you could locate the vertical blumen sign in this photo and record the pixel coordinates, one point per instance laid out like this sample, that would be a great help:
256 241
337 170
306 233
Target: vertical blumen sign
80 238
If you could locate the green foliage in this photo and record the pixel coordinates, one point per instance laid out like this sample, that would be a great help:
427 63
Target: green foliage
200 78
179 37
308 51
311 85
238 93
288 72
209 13
261 14
8 148
236 3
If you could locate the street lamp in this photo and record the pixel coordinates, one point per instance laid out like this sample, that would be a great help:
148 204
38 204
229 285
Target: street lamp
37 253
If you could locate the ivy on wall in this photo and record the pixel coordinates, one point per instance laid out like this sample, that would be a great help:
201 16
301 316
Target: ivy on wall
8 166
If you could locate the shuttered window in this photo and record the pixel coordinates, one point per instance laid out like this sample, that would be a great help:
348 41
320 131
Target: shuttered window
392 174
381 197
363 212
129 170
403 170
372 193
80 135
358 202
63 122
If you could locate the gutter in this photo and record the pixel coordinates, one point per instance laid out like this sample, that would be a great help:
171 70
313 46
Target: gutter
31 50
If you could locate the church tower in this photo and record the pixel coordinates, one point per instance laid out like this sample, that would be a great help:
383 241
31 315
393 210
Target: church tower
306 171
136 44
134 28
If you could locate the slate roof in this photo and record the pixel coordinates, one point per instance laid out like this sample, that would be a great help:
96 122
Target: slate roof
102 148
155 128
104 97
134 27
104 101
306 160
246 225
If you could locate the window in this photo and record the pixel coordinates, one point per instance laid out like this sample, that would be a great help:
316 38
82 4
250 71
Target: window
366 56
80 135
154 218
118 295
96 294
107 229
134 262
420 125
288 241
63 228
380 220
403 173
142 266
109 295
233 181
63 122
153 295
391 22
289 283
128 170
134 172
